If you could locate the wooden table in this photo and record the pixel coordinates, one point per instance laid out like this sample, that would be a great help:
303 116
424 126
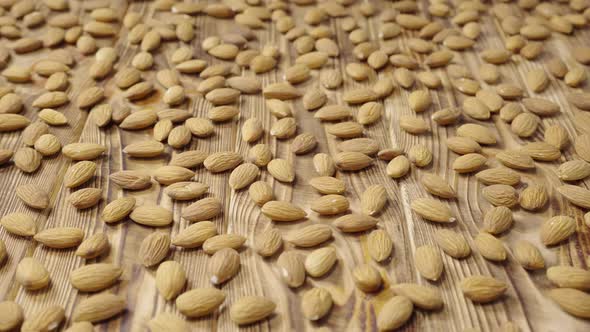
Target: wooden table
525 303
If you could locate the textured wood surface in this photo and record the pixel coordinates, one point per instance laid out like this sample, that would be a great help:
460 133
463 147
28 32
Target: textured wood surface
525 303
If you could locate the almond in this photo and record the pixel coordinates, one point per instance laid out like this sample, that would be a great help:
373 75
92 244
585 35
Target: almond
282 211
557 229
576 195
222 241
423 297
328 185
223 265
95 277
379 245
44 319
19 224
373 199
310 236
324 164
79 173
569 277
352 161
118 209
483 289
199 302
154 248
398 167
27 159
12 315
188 159
260 192
93 246
170 279
463 145
330 204
351 223
395 312
204 209
31 274
438 186
497 220
222 161
184 191
573 301
268 242
490 247
60 237
316 303
534 197
83 151
428 262
500 195
195 235
320 261
367 278
528 255
515 159
452 243
85 198
573 170
151 215
250 309
33 196
292 269
432 210
99 307
167 322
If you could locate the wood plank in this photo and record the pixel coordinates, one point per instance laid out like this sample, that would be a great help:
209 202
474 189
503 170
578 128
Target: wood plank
526 303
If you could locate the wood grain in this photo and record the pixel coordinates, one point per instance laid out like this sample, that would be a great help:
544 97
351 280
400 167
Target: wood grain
525 303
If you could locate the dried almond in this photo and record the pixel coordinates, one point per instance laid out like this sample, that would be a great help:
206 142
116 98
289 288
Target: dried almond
31 274
99 307
219 242
222 161
569 277
310 236
151 215
44 319
95 277
195 235
433 210
533 197
351 223
33 196
497 220
18 224
118 209
483 289
573 170
223 265
79 173
557 229
452 243
250 309
260 192
573 301
282 211
268 242
528 255
60 237
316 303
373 199
395 312
200 302
423 297
438 186
93 246
320 261
379 245
85 198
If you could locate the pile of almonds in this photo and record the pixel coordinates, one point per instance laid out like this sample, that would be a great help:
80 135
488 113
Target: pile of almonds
437 33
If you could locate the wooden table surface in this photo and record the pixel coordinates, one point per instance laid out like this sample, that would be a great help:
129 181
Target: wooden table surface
525 303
